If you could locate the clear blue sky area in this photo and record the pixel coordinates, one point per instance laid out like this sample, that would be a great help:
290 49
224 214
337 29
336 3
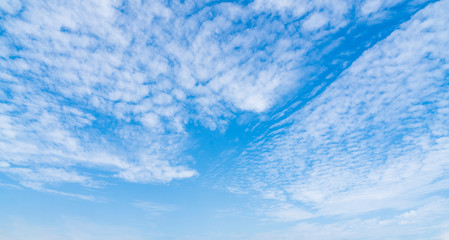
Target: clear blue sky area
223 120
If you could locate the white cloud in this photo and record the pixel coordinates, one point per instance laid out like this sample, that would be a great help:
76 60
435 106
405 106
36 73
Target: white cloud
154 171
315 21
151 120
4 164
375 139
77 73
67 63
288 212
371 7
10 7
444 236
322 12
424 222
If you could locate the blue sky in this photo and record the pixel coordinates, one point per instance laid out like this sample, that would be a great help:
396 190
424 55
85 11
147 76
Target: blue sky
264 119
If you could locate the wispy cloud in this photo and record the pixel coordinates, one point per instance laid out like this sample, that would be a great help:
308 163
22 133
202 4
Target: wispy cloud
153 209
375 139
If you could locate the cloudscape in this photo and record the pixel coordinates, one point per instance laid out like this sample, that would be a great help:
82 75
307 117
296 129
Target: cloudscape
222 120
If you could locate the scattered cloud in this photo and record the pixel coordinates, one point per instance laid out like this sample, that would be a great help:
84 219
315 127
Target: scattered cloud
375 139
97 90
86 83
